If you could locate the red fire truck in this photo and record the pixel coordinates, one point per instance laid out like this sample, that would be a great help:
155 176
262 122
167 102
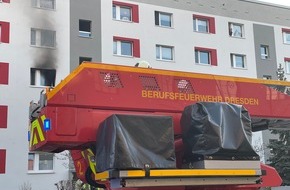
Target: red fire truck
70 115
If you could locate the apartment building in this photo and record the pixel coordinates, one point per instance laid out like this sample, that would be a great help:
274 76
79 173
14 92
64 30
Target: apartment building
34 44
41 41
237 38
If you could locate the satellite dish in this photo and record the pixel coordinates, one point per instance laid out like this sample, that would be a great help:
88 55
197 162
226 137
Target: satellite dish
143 64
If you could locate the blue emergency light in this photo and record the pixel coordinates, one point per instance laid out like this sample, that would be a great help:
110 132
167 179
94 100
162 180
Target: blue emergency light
46 125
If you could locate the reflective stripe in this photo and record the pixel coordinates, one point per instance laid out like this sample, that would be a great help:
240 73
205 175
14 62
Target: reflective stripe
179 173
35 126
87 154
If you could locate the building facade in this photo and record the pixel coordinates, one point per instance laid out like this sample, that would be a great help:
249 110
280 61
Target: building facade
43 40
34 44
233 38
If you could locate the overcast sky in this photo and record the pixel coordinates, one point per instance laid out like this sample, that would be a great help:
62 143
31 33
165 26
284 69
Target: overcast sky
281 2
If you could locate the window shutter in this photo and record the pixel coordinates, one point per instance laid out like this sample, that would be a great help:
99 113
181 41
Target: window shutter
135 13
5 32
3 117
3 161
4 73
214 57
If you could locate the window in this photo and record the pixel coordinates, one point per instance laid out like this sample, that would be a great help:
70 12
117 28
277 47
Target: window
42 77
123 48
4 73
82 59
44 4
287 64
85 28
203 24
4 32
163 19
122 13
236 30
125 11
238 61
3 116
126 46
264 51
286 35
164 53
42 38
267 77
3 161
202 57
205 56
42 162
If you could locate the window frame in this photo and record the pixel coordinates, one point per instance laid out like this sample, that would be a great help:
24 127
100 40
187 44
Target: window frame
134 11
212 55
287 65
158 16
266 54
210 23
231 33
37 4
85 34
234 62
285 33
159 51
38 37
36 163
118 44
135 46
198 59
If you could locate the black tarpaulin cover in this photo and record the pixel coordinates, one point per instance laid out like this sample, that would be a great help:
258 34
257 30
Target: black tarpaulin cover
131 141
217 130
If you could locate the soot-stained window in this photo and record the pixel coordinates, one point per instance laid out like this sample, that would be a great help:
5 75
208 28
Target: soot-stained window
42 77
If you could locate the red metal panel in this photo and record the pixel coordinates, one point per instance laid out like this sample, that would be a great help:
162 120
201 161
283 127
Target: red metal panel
4 73
6 1
65 116
3 116
5 32
93 92
2 161
255 95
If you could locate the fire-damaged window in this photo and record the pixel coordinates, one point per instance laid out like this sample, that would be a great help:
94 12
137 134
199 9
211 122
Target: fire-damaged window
82 59
85 28
43 38
44 4
42 77
42 162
